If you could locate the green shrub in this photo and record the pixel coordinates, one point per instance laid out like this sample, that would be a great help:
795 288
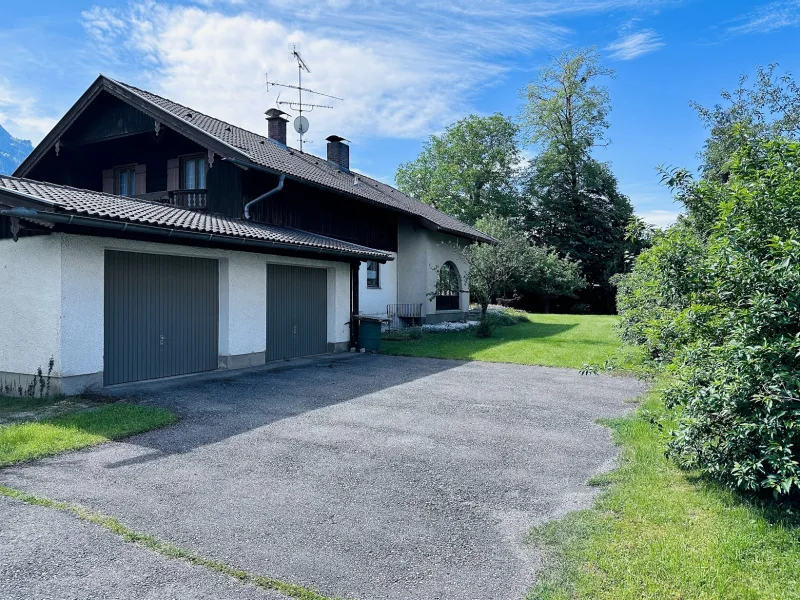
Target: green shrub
500 318
402 335
581 308
484 329
721 305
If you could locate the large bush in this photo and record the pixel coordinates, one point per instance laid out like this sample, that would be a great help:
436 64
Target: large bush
721 304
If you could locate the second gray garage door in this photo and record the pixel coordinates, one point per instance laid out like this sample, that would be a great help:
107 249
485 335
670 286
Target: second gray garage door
161 316
297 311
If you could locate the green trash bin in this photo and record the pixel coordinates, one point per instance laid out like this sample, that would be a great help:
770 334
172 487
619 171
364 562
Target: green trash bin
369 333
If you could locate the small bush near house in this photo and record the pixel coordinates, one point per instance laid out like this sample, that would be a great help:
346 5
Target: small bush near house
484 329
37 387
717 298
500 318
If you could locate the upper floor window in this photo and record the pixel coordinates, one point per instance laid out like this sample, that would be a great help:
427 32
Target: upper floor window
125 181
193 172
373 274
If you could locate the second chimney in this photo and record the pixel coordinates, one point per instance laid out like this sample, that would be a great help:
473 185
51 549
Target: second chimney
338 152
276 125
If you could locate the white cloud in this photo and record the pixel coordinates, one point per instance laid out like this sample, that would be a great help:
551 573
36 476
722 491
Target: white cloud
20 113
660 218
772 16
636 44
404 69
217 63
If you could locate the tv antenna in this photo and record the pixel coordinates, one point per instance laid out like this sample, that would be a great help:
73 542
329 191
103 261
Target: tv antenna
301 124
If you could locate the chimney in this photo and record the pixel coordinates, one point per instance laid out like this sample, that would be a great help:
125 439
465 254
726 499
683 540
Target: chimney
338 152
276 125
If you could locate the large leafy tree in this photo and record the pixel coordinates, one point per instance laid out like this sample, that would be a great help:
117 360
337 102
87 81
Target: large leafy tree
469 170
765 108
575 205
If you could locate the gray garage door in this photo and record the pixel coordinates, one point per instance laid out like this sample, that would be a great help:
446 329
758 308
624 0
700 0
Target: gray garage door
161 316
297 311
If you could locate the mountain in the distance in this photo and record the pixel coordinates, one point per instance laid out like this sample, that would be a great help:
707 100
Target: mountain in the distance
12 152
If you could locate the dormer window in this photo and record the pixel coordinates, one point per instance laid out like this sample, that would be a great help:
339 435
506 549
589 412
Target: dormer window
193 172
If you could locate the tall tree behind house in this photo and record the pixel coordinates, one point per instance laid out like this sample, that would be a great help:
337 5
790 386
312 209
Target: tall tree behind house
573 200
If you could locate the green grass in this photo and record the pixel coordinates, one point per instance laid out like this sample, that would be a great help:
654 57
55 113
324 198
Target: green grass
660 532
34 439
546 340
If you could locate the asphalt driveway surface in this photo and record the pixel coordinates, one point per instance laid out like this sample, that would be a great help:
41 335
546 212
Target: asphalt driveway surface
374 477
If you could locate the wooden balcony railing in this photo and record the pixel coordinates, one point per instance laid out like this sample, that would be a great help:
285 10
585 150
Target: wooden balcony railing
195 199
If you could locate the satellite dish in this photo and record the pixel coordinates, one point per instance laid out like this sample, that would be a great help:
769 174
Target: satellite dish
301 125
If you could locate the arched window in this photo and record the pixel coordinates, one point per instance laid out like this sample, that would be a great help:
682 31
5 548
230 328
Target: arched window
448 288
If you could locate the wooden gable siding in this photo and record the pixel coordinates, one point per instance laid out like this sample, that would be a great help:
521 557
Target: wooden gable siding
82 166
107 118
316 210
224 185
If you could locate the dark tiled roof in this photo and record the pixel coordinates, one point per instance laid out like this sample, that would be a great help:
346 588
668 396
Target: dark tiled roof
267 153
131 210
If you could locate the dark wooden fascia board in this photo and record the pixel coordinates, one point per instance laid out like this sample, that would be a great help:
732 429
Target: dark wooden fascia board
21 200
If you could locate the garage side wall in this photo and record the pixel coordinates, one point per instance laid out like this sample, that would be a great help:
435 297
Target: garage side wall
30 309
373 301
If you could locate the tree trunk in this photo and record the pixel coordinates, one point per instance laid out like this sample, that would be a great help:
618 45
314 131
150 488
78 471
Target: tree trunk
546 304
484 308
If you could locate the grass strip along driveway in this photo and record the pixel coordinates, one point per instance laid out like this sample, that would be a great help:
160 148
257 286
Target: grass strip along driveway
661 532
27 440
545 340
163 548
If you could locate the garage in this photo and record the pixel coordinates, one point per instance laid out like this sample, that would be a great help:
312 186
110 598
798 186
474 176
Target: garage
297 311
161 316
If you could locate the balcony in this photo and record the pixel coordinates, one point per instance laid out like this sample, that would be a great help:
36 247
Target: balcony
193 199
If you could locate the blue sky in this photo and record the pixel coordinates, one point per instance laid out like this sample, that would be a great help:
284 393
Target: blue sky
405 69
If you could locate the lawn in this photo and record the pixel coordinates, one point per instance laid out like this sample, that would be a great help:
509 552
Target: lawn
660 532
27 439
547 340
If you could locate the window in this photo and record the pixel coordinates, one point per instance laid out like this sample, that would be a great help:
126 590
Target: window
193 173
448 288
125 181
373 274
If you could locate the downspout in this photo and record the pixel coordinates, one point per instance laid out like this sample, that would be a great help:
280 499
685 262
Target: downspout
354 304
264 196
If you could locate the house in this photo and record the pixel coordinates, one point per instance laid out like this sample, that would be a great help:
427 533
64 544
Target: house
143 239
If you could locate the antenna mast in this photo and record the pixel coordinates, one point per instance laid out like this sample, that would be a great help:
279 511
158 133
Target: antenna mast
301 124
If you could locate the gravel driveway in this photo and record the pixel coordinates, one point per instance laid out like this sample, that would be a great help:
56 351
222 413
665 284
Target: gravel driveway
372 477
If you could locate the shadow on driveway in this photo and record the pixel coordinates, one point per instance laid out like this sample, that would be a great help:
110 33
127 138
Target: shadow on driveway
216 409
